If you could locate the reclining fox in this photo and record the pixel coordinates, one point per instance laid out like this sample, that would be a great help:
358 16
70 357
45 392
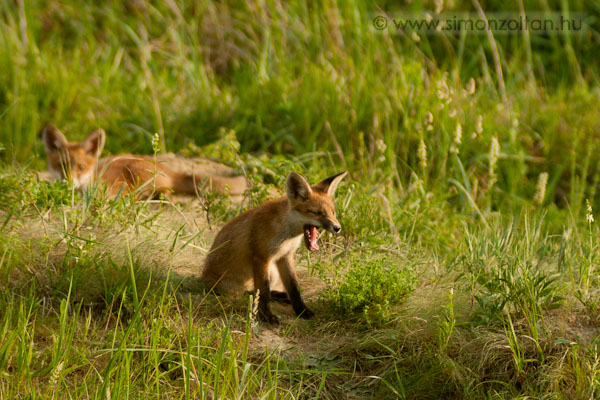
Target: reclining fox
80 163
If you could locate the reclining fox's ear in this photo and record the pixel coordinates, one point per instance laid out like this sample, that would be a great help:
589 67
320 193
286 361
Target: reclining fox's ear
94 143
329 185
54 140
297 187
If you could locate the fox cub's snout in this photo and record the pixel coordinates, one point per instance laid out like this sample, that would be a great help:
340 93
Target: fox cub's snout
314 206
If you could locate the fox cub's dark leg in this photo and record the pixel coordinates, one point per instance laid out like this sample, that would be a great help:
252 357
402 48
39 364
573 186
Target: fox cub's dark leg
261 282
287 271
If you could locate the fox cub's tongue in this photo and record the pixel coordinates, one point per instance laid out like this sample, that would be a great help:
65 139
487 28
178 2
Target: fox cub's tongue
311 236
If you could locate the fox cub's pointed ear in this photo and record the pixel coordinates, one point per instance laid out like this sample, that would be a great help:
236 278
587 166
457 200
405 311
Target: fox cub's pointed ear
297 187
54 140
94 143
329 185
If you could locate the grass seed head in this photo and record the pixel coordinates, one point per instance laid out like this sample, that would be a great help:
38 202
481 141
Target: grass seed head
454 148
422 154
470 88
540 190
494 153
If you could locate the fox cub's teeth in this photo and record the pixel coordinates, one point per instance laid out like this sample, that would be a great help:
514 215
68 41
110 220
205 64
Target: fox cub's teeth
311 236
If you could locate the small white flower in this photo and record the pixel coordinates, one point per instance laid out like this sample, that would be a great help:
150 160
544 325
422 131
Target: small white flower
589 216
156 143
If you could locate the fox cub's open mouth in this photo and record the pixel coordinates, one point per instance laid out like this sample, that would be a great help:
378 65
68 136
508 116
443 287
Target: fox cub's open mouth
311 236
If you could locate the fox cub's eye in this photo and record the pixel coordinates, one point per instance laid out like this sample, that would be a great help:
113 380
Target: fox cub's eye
81 167
317 213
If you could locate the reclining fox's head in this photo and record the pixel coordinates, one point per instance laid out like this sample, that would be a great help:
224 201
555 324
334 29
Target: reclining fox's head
313 206
73 161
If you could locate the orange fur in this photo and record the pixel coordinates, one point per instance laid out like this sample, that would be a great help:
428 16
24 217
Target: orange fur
256 250
79 163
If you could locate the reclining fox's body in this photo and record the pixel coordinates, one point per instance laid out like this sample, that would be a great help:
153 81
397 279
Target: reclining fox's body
79 162
256 250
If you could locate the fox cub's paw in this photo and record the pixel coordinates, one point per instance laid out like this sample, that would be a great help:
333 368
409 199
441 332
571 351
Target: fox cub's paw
306 314
270 318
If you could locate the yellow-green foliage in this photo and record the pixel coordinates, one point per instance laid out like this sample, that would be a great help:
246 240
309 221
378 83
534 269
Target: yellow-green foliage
467 265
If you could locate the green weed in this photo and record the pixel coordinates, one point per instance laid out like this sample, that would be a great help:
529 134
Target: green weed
367 289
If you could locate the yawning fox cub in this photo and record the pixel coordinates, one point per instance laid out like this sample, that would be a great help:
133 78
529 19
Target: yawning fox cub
255 251
79 163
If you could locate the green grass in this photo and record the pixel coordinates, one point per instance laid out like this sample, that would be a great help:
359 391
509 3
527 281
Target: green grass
468 262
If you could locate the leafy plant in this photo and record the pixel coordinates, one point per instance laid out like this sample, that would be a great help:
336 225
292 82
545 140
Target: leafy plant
25 190
448 323
367 288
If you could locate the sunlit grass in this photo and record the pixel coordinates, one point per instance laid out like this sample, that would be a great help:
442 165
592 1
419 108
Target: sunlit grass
478 201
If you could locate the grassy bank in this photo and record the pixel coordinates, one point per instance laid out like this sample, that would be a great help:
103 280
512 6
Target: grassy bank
101 298
468 262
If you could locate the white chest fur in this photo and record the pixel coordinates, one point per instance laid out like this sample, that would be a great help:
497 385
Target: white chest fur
285 248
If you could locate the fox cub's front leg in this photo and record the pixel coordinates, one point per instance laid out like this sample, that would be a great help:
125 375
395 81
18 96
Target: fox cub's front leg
287 270
261 283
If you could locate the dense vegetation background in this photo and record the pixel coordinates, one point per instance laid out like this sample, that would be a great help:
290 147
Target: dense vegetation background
468 264
298 77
